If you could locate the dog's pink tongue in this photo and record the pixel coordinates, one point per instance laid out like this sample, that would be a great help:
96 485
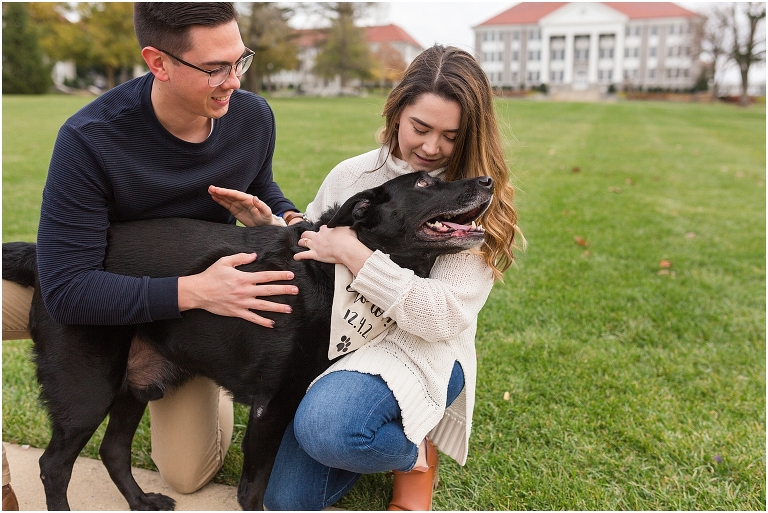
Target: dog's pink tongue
456 226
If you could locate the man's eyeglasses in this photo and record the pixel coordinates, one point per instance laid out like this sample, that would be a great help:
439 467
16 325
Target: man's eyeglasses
218 76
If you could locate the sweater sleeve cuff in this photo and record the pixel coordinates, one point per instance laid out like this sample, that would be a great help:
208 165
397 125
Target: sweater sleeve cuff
382 281
163 296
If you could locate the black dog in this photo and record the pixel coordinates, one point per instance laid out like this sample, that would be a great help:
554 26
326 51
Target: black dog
87 372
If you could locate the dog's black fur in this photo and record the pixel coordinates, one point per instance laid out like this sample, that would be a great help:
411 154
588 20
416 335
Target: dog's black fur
87 372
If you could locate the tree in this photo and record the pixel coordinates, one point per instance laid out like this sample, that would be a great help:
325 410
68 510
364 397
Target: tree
345 51
265 30
108 28
102 36
24 68
715 43
60 39
748 44
389 65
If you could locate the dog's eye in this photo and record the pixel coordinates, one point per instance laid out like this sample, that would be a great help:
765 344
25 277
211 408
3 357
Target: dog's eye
422 183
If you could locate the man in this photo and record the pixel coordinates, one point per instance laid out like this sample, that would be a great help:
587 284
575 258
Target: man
155 147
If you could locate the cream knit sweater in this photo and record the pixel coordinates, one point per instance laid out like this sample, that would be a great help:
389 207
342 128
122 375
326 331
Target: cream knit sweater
436 318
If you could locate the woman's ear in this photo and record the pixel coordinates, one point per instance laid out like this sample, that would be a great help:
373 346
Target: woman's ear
155 62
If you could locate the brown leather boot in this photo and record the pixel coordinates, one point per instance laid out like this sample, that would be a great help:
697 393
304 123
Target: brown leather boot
9 499
412 490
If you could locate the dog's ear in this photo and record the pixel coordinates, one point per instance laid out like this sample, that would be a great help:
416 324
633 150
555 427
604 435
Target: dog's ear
352 210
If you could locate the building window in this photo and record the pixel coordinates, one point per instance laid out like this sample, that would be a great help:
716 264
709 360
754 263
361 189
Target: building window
606 53
514 78
558 55
533 77
534 55
516 35
581 55
652 51
501 56
652 74
515 55
534 34
654 30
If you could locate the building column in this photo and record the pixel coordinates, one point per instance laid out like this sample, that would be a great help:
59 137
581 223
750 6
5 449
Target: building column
568 71
594 55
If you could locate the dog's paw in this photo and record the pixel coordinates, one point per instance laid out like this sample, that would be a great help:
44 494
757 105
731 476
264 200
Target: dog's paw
154 502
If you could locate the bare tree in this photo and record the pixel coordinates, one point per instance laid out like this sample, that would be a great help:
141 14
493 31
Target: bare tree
715 44
748 44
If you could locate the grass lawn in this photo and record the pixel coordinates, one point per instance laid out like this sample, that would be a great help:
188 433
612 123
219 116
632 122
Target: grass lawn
621 363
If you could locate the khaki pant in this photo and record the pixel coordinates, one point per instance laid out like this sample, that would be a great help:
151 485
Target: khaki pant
191 427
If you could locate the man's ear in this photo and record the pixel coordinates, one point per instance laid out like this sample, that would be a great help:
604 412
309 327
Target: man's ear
352 210
155 62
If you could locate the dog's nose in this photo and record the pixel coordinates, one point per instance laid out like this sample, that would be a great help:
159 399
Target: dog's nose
485 181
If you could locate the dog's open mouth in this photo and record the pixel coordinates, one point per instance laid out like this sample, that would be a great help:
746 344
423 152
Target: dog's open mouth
454 224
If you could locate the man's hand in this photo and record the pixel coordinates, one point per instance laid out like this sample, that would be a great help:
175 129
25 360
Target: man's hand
223 290
247 209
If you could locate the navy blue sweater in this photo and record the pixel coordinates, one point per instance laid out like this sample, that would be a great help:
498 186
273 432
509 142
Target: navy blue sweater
113 161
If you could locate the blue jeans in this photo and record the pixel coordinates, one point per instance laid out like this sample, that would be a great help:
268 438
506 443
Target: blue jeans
347 425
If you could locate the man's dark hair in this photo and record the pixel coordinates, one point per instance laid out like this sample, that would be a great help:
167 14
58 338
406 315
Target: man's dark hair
166 24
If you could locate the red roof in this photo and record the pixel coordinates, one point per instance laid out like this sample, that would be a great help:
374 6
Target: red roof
524 12
532 12
644 10
308 38
389 34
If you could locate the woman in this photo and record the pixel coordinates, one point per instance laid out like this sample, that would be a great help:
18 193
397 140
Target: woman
388 404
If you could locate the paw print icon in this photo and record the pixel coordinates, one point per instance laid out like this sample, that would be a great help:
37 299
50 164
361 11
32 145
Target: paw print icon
343 346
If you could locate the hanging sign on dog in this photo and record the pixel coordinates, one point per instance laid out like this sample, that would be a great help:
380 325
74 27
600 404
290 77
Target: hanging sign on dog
354 319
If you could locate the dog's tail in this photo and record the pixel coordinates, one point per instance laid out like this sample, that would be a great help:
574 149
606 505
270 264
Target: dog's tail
20 262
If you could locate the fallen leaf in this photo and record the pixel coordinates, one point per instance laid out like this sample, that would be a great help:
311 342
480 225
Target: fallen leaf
506 396
575 169
617 190
690 235
665 264
586 254
581 241
629 181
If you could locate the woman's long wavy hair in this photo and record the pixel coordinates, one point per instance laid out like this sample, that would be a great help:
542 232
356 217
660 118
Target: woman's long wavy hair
454 75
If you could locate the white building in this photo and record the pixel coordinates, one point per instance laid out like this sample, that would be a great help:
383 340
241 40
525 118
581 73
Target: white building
591 45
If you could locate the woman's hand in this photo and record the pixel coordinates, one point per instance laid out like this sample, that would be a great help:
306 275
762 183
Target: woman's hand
334 246
247 209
